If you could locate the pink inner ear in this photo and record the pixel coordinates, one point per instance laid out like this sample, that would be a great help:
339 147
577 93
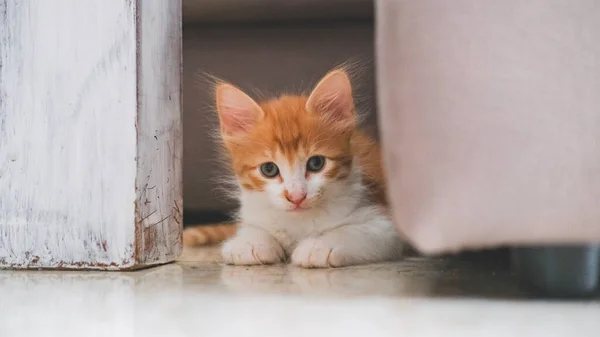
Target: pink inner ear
237 111
332 98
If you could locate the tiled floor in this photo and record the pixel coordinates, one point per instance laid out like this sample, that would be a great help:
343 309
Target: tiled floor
467 296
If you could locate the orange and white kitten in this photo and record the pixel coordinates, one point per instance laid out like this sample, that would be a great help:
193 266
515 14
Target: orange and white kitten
312 189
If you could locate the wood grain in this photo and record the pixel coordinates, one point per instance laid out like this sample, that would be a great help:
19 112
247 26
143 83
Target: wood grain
159 186
89 141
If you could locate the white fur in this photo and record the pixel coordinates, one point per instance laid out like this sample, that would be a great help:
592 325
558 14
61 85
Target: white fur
340 228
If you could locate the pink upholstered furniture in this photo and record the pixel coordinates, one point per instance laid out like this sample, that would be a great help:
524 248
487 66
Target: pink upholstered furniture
490 117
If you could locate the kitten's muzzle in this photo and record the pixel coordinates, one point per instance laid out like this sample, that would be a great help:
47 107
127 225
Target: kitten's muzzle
296 197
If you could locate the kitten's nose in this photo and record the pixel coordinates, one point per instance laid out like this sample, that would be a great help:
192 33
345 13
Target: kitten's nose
296 197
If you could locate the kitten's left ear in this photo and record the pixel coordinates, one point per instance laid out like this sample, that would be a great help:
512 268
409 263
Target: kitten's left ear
332 99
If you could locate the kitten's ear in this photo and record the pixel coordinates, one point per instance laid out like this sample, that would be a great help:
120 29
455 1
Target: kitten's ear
332 99
237 111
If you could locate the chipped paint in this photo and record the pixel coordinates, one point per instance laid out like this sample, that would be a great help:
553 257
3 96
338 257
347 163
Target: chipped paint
158 185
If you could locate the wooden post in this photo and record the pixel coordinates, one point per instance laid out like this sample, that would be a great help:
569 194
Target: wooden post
90 133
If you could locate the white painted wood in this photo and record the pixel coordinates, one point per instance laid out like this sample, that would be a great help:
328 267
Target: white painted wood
75 128
160 139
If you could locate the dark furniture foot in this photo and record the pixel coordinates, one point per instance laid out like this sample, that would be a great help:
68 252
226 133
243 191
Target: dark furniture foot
558 271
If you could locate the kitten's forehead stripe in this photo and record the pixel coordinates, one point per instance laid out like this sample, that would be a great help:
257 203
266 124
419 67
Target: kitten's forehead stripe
289 148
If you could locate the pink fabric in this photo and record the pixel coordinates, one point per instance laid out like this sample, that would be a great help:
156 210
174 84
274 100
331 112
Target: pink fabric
490 120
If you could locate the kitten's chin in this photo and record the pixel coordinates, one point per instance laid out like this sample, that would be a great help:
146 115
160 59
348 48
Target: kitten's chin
298 209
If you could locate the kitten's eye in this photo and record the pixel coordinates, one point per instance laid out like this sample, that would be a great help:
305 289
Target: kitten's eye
269 170
315 163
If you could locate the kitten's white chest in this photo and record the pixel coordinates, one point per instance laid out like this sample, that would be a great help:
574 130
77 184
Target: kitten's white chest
286 238
288 231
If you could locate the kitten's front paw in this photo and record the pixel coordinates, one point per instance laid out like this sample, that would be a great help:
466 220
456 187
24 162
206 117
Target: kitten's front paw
244 250
317 253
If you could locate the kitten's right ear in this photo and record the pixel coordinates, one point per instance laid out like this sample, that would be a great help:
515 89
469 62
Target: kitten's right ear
237 111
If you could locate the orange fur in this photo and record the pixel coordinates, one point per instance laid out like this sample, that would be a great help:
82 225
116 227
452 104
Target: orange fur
207 234
288 127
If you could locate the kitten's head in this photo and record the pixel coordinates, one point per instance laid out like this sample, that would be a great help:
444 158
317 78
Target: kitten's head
292 150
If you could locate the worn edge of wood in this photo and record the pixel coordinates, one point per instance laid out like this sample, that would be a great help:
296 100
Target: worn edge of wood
152 248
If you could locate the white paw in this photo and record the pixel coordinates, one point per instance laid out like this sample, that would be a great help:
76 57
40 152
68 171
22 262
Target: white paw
242 250
317 253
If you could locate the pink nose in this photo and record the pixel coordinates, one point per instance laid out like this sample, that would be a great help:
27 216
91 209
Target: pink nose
295 198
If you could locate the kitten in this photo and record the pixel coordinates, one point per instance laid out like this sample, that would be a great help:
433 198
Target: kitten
312 188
